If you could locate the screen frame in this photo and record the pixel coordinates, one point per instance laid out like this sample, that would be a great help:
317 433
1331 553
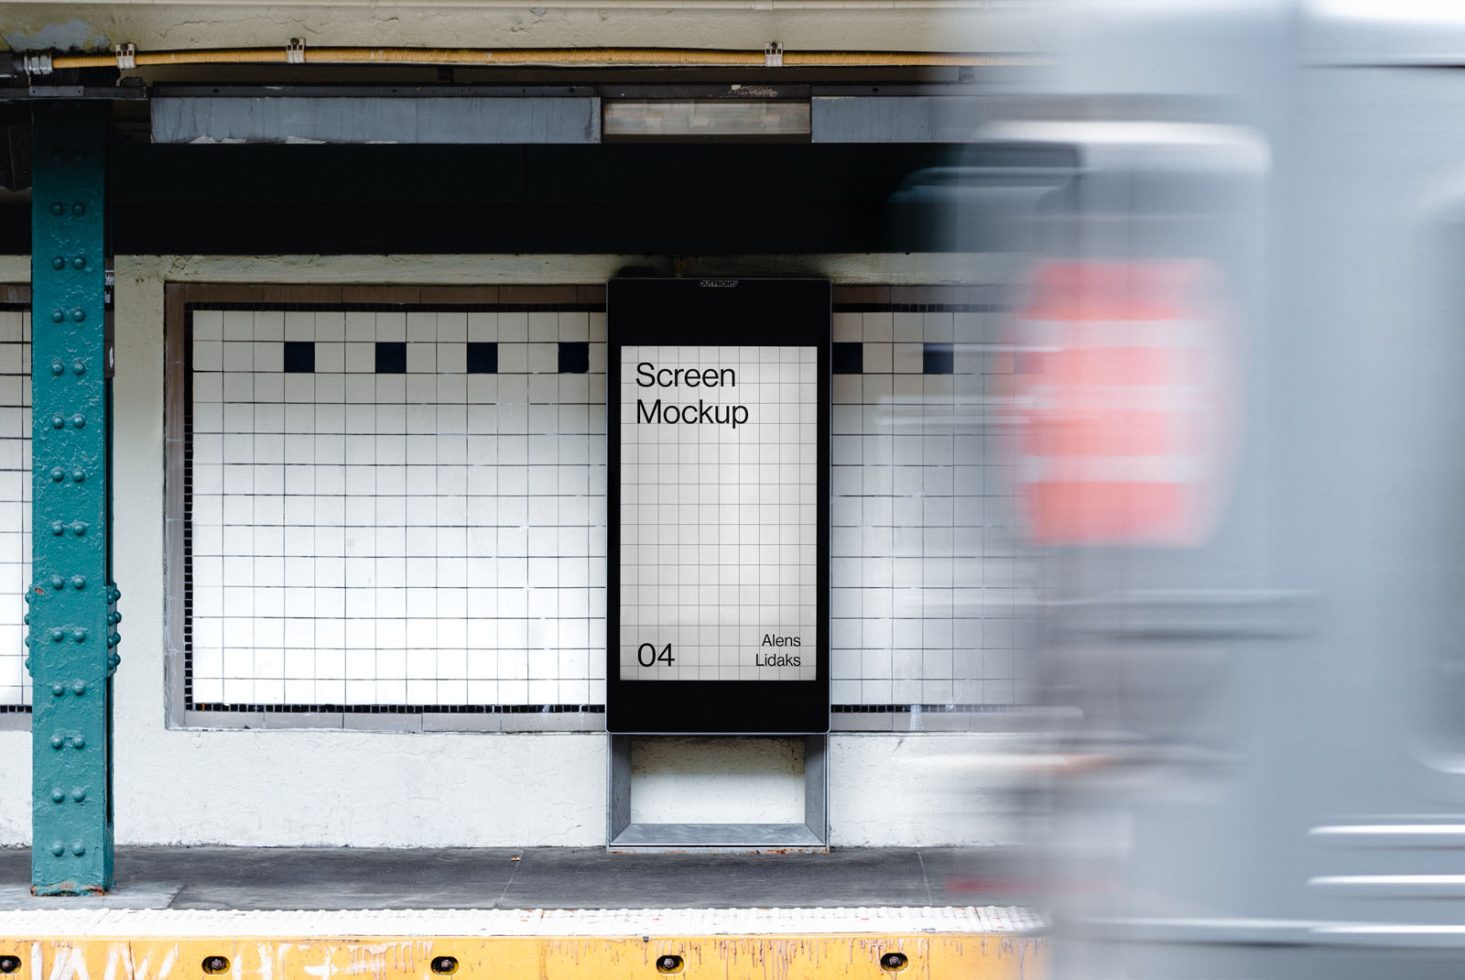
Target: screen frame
725 313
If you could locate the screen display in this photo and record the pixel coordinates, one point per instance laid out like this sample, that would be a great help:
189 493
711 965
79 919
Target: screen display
718 513
717 536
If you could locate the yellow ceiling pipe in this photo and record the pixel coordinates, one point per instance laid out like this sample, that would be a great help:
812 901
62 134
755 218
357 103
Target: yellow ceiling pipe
540 57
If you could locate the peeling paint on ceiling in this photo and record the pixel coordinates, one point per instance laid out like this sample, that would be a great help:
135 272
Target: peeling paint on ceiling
74 34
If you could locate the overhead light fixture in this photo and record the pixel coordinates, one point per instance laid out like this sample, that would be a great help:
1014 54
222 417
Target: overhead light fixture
705 119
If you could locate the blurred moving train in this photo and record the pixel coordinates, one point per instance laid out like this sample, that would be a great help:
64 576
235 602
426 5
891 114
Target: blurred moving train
1239 410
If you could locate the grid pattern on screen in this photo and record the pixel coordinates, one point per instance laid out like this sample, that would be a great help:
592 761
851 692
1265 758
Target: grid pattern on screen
15 510
717 515
394 510
929 594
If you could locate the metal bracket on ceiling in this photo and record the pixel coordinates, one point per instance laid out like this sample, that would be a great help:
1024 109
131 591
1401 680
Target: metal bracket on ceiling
295 51
773 55
35 63
126 56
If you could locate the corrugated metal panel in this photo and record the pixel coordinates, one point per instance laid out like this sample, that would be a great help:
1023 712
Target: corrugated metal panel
293 119
900 119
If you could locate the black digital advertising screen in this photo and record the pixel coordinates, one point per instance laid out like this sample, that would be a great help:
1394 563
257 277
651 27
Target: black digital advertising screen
717 394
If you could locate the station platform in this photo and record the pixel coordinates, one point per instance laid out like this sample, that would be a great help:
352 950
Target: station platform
533 913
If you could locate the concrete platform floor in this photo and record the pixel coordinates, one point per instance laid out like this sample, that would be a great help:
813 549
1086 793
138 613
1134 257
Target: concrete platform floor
537 878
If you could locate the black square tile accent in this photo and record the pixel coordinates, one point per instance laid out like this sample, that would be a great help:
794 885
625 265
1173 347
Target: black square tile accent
391 357
483 357
299 357
937 359
849 358
574 357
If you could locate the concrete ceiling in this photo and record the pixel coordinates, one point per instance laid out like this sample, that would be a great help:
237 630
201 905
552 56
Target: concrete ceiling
998 26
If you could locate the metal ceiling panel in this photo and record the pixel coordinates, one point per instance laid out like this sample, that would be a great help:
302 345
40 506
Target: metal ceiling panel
376 119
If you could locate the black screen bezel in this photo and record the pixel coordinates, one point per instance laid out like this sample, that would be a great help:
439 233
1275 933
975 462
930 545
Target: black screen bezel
716 313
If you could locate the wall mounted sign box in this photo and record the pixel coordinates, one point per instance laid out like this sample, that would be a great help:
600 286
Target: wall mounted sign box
717 393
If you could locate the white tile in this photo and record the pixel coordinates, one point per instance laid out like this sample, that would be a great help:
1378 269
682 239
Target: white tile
878 326
483 327
207 325
543 327
452 327
848 327
574 326
330 358
421 357
299 325
208 355
391 326
878 358
908 358
360 326
513 327
452 357
330 326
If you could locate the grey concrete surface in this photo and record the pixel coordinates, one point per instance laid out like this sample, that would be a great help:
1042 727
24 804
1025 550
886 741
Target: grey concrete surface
352 878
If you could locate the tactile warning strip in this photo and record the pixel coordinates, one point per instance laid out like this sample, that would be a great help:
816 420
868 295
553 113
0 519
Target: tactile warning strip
147 923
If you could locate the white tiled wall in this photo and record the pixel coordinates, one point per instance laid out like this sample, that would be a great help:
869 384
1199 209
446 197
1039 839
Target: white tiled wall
927 589
15 495
434 537
438 537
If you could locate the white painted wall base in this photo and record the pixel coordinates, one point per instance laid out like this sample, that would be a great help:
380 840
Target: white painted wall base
495 790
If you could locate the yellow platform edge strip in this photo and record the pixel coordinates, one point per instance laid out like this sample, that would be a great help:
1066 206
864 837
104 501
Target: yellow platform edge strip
964 956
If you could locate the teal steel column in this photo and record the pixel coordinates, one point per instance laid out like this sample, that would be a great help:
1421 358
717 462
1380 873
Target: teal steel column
72 600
